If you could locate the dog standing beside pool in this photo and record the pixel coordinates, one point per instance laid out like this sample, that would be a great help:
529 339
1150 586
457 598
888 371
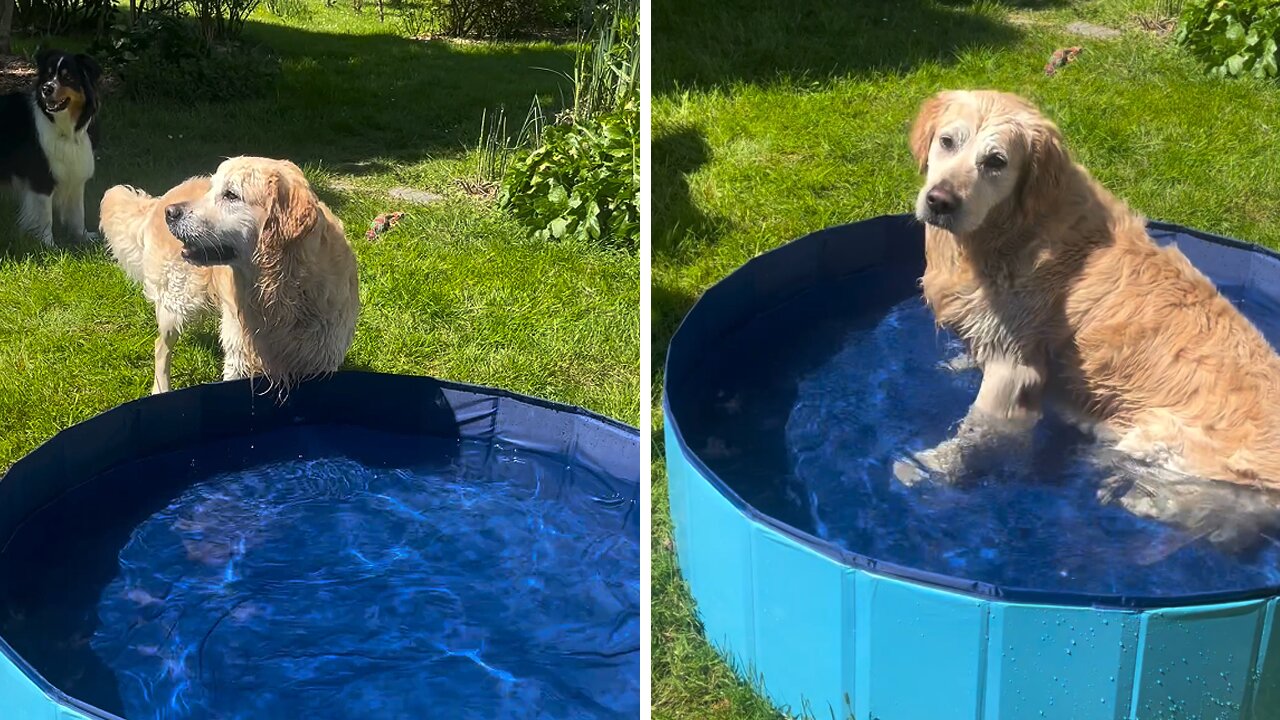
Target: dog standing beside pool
254 243
47 139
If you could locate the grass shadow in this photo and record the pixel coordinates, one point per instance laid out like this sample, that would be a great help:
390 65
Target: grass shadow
703 45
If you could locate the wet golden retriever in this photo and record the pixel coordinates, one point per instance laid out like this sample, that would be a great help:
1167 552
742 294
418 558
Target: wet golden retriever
1062 298
254 242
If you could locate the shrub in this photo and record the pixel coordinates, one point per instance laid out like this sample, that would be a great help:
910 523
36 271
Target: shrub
582 182
221 20
1234 38
583 179
417 20
486 18
56 17
288 8
160 56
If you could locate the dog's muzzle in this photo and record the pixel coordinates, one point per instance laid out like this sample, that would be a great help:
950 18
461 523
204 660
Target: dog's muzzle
196 249
941 205
49 98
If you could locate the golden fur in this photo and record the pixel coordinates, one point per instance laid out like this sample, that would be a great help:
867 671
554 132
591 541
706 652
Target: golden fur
1061 295
288 292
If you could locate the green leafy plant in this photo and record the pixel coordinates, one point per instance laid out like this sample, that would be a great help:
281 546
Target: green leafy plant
583 178
582 182
1235 38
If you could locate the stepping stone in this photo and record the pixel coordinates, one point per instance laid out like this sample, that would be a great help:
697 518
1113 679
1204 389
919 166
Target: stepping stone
1093 31
421 197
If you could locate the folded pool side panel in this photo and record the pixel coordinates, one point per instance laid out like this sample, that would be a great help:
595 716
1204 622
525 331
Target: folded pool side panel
826 633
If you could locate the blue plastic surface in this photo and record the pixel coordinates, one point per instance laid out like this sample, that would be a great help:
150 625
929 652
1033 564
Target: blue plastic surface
382 432
827 633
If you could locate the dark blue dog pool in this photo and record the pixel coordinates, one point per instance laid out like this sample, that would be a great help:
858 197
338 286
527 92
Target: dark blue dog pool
374 547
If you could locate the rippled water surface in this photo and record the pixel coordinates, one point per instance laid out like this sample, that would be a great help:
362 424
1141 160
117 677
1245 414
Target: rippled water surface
807 431
413 578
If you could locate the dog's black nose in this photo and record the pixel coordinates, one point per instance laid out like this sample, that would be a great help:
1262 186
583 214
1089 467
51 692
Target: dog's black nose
48 88
942 200
173 212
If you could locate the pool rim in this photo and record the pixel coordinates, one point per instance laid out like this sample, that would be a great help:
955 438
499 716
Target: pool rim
940 581
57 695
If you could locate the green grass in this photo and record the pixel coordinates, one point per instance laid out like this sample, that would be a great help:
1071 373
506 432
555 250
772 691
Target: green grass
771 120
455 291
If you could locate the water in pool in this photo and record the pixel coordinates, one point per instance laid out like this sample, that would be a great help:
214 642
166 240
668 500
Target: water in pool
810 436
380 577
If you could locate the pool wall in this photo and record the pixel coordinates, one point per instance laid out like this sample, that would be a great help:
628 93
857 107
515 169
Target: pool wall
391 403
825 633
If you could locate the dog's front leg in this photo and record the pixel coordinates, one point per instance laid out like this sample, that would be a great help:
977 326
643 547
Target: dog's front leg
169 327
999 422
236 353
36 215
70 207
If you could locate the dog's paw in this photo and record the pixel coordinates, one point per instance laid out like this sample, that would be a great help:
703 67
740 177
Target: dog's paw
82 237
944 463
963 362
909 473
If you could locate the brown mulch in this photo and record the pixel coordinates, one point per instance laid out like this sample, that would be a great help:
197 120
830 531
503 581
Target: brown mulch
16 74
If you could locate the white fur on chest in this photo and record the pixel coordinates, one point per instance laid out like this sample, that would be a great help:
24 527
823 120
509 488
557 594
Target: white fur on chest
69 151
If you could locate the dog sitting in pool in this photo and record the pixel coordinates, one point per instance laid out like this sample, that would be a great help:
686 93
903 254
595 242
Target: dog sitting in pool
254 242
1065 302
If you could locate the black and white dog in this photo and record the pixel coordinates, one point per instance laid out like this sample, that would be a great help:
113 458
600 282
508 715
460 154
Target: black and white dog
46 143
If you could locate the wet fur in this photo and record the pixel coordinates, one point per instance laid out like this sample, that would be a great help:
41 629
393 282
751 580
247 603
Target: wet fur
1062 297
288 308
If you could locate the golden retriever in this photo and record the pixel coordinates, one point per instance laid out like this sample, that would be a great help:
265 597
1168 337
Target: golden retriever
1062 298
254 242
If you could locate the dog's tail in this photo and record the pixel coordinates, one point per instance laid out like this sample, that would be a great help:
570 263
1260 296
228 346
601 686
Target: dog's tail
125 212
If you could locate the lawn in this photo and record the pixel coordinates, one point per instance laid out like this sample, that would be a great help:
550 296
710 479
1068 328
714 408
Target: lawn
771 120
456 290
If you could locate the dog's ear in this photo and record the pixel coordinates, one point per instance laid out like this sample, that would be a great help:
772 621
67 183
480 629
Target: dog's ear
926 126
1047 162
43 55
92 70
292 212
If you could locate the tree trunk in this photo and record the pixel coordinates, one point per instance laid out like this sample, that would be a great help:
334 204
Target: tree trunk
381 17
6 26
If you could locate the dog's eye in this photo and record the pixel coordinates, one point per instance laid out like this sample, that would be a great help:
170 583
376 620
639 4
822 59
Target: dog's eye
230 195
946 142
994 163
